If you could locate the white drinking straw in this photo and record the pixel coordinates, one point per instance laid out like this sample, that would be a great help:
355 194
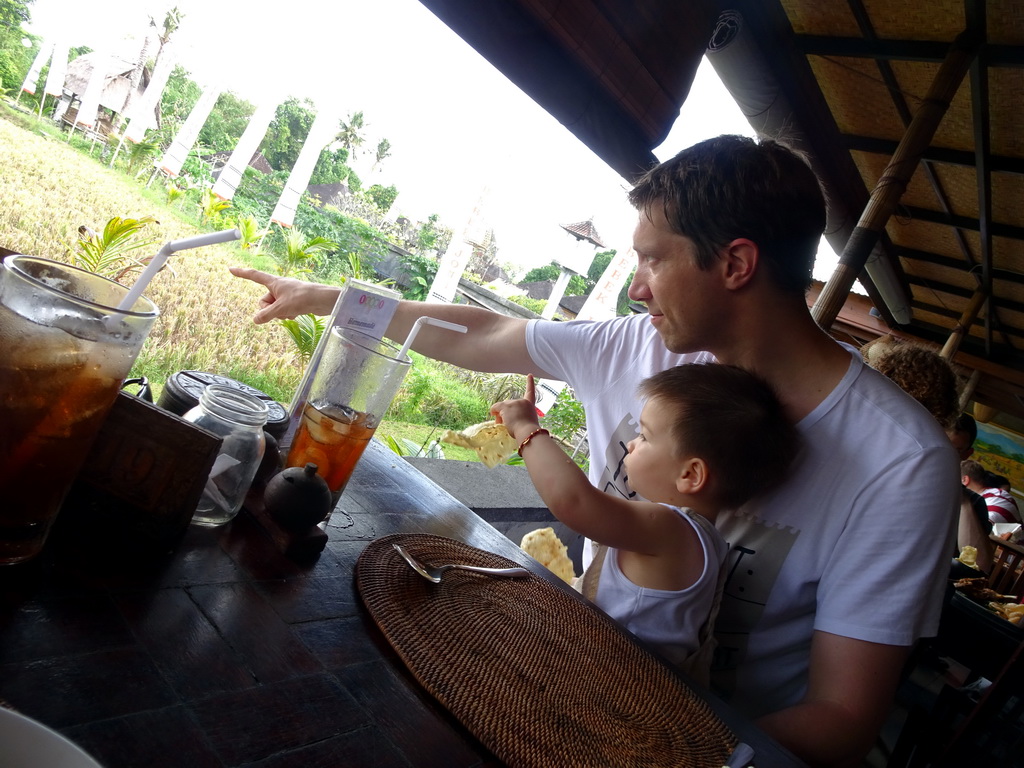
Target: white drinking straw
420 322
158 261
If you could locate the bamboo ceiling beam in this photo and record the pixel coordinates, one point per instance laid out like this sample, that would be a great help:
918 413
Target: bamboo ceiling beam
980 116
890 187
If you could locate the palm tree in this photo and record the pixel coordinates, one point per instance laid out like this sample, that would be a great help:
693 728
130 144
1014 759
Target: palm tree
383 151
350 134
172 20
300 250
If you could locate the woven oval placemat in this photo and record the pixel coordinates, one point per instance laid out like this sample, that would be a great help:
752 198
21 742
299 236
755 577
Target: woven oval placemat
540 678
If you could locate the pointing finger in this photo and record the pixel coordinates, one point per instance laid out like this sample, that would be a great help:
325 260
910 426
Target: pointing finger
263 278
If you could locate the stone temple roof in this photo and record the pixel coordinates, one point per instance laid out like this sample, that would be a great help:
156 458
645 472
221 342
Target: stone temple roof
584 230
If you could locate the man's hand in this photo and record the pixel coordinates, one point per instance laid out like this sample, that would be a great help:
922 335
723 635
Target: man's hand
518 416
287 297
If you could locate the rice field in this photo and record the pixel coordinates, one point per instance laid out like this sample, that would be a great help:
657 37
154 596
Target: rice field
48 190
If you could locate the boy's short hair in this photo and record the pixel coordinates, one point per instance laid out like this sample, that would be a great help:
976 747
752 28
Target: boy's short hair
731 187
733 420
973 470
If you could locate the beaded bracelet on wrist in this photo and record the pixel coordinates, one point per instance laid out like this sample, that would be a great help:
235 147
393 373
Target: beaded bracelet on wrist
529 437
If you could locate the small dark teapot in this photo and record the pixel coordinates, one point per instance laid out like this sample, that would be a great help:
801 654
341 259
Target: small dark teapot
297 498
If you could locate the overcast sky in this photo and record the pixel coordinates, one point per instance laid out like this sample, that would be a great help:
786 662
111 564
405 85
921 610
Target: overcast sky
455 124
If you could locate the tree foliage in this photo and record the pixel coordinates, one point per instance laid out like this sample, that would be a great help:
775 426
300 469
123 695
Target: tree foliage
331 167
547 272
578 285
180 94
15 59
382 197
14 12
226 123
287 131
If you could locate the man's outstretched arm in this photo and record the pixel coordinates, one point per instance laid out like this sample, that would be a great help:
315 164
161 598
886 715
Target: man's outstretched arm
494 343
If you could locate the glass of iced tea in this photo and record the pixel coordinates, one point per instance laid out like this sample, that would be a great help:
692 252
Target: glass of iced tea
66 351
354 384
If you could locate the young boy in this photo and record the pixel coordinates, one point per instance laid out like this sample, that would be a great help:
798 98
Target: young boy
711 437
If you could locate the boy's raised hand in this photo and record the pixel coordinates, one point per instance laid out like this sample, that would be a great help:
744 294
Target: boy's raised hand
518 416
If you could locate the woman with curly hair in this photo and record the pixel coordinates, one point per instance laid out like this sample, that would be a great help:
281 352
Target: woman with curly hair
921 372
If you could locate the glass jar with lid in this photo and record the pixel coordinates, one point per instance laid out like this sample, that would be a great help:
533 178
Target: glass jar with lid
238 418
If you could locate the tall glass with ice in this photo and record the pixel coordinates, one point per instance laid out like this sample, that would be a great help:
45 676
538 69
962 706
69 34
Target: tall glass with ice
66 351
355 383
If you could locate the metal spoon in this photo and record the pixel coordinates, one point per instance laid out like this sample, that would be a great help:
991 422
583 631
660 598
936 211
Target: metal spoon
434 573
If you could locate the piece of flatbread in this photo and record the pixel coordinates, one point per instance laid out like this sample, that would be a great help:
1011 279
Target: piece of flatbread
544 546
491 441
969 557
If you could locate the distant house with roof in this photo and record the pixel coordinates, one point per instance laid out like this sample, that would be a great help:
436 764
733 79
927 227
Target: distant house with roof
116 87
218 160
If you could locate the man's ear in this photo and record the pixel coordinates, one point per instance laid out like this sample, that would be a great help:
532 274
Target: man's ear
693 476
740 259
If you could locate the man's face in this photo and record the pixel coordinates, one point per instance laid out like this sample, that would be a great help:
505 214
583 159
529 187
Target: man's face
962 444
680 297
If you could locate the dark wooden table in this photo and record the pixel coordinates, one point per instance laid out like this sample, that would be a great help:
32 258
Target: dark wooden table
227 653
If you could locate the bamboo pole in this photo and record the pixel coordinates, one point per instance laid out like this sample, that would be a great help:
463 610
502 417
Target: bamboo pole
969 388
970 314
893 182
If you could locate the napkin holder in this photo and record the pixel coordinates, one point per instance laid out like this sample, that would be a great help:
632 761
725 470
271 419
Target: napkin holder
143 479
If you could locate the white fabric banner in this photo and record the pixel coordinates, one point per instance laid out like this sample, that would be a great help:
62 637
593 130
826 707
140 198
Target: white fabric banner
603 300
58 68
231 174
323 130
454 261
141 116
602 304
90 100
32 78
185 139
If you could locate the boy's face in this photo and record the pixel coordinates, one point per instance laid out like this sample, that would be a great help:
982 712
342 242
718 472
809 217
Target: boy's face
653 463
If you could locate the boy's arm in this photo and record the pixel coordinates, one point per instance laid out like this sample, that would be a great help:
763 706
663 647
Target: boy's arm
636 526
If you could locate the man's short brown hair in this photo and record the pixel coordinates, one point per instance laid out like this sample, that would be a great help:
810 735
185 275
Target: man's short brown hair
731 187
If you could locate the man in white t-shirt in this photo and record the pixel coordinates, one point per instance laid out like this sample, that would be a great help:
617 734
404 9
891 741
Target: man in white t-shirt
833 576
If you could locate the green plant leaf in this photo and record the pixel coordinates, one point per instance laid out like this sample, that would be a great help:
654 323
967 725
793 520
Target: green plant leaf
305 331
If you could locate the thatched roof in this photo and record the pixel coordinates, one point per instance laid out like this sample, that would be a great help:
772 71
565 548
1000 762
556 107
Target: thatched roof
843 79
117 83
